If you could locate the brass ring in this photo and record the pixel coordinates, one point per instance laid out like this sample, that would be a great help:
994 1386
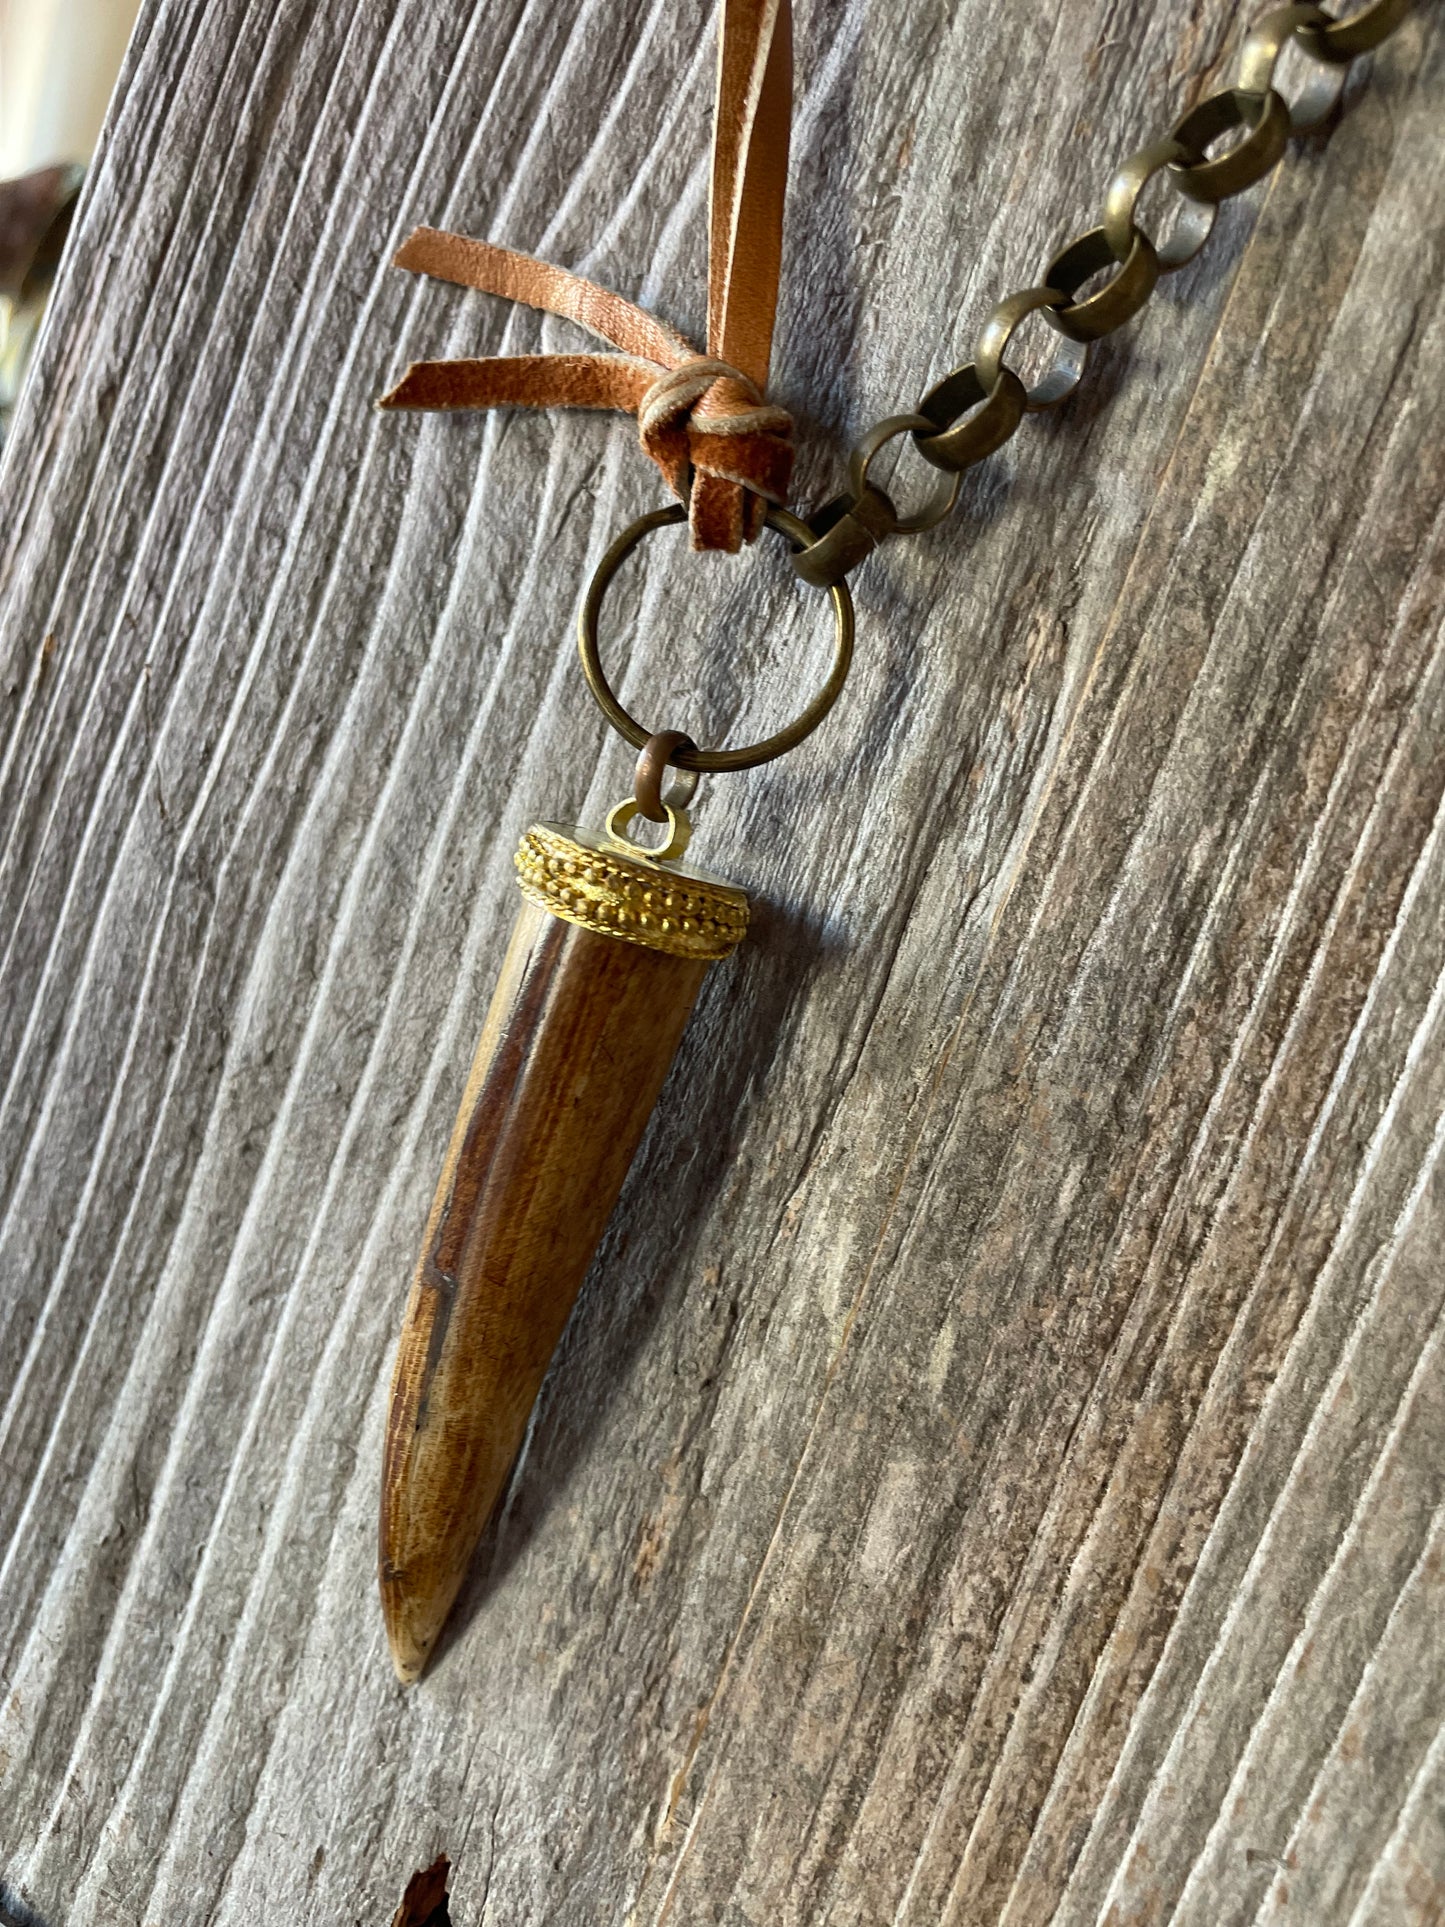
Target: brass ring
1265 119
711 761
1061 380
1345 40
1263 47
846 531
954 443
1119 301
652 765
1193 223
945 491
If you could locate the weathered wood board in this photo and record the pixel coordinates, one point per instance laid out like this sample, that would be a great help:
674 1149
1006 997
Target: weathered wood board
995 1470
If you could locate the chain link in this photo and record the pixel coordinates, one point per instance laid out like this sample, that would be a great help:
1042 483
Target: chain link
974 410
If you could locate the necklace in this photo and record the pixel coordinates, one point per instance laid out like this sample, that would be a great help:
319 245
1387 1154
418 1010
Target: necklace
614 937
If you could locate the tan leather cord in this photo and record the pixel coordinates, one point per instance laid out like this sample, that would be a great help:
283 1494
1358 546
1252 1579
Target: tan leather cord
704 419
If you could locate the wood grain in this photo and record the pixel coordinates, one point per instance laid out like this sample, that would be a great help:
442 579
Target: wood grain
994 1470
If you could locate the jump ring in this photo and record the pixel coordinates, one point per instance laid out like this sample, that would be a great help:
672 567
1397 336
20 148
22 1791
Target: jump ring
1265 119
711 761
1345 40
1100 314
943 495
956 443
1194 221
847 529
1263 47
996 333
657 752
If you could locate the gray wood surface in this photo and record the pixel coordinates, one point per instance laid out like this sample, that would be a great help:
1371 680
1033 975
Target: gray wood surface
995 1471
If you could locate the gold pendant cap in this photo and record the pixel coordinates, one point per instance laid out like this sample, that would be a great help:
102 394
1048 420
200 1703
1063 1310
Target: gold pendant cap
587 880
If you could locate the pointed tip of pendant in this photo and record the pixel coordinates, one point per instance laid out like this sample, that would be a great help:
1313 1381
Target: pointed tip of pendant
408 1667
410 1654
411 1629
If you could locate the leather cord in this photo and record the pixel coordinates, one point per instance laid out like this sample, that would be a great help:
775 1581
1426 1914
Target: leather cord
703 418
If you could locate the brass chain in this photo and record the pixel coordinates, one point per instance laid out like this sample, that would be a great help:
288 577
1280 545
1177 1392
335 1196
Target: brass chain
974 410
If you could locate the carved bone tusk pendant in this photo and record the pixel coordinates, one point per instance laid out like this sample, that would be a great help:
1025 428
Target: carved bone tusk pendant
605 963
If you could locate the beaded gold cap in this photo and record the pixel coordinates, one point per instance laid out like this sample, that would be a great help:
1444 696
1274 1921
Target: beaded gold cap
588 881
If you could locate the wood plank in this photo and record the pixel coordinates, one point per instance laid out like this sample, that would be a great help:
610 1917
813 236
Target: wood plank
994 1471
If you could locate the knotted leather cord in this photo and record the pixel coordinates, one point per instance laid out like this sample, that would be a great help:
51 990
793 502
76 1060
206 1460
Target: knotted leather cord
703 419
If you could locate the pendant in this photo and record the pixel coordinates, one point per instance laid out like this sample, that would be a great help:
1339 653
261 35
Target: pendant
606 959
605 963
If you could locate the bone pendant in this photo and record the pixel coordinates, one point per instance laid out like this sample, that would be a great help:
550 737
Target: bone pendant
605 963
